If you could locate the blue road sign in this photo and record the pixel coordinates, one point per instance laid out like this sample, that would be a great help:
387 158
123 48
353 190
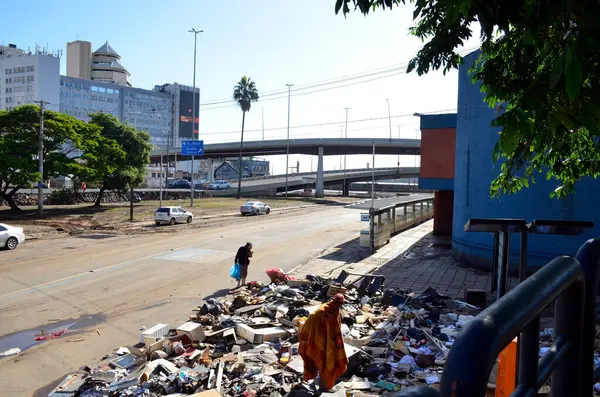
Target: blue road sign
192 148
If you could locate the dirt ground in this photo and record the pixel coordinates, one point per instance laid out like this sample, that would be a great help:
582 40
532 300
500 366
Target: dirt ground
113 218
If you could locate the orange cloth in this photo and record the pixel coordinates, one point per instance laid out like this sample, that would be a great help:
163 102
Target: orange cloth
322 346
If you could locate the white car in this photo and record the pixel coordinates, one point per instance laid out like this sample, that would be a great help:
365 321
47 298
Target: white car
11 236
255 208
218 185
172 215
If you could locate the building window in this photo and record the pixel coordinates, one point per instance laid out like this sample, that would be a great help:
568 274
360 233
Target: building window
101 98
110 91
116 91
102 89
29 88
94 88
94 97
7 71
86 87
62 83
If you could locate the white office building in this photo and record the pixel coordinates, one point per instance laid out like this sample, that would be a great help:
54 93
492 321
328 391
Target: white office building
28 77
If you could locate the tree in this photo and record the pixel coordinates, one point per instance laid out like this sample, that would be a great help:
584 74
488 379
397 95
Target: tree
124 166
19 132
539 60
244 93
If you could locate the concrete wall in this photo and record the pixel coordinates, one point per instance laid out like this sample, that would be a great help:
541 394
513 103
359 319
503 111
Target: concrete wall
475 170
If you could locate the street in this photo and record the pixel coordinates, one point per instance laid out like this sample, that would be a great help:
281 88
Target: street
106 289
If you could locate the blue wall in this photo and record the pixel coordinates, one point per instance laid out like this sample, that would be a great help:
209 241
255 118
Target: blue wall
475 170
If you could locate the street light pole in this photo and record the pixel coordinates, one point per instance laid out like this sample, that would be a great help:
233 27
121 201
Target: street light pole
287 151
389 118
399 137
262 111
346 137
41 159
195 32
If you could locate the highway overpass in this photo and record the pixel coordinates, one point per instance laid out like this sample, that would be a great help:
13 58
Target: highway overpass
315 147
273 185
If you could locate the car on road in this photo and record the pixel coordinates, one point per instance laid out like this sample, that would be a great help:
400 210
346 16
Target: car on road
255 208
11 236
218 185
172 215
180 184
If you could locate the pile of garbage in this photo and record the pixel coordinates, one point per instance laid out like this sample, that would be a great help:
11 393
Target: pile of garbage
247 344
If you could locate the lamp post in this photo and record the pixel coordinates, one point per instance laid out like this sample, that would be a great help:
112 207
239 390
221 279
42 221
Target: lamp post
389 118
346 137
262 111
287 151
195 32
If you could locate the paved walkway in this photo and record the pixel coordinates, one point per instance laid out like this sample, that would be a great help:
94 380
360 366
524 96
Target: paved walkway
413 260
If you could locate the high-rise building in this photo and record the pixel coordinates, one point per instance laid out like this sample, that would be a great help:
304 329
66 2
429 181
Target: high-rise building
27 77
79 59
106 67
183 102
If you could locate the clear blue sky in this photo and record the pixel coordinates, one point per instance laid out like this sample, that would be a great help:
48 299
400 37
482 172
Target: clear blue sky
274 42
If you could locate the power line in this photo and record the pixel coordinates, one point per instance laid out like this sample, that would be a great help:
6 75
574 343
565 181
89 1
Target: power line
327 123
394 70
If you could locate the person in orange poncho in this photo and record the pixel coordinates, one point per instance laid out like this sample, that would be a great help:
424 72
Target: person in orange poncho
321 344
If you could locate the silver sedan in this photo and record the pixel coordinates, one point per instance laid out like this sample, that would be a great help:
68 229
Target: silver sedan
11 236
255 208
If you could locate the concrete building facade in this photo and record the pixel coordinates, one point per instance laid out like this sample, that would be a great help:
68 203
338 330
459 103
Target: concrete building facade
79 59
28 77
106 67
473 172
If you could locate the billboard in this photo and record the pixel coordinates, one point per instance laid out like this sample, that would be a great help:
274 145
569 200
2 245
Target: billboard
186 100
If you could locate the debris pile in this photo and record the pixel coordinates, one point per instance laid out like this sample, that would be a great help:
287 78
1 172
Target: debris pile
247 344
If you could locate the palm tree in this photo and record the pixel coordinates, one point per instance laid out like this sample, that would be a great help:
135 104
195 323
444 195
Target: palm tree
244 93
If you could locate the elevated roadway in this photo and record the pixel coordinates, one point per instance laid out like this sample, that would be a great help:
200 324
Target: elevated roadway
273 185
312 146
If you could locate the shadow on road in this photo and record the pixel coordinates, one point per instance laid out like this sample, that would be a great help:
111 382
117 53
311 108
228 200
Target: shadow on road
217 294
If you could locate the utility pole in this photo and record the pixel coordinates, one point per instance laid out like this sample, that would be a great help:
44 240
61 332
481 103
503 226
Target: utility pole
262 111
372 211
346 137
399 137
342 137
41 159
287 152
389 118
195 32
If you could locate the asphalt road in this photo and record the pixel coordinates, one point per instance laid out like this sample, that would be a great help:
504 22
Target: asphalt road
105 289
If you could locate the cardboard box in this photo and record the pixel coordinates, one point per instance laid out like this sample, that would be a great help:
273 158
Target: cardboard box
334 289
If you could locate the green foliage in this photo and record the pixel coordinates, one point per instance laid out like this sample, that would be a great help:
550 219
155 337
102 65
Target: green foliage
120 158
540 57
19 132
244 93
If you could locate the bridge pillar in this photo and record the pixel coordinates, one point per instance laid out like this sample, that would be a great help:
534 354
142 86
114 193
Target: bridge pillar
346 190
320 188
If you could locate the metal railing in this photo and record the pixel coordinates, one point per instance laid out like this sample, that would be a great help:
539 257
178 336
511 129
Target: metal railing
571 284
397 217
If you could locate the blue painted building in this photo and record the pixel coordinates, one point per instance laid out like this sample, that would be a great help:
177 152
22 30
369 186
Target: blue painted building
475 169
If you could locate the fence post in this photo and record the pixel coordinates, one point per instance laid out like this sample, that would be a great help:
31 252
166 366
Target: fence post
588 256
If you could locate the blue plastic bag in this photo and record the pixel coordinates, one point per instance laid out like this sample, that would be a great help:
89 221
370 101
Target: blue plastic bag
236 271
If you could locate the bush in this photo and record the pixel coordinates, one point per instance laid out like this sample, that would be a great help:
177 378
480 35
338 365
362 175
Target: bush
62 197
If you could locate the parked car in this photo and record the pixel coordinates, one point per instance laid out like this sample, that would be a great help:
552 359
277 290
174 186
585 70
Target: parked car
218 185
255 208
180 184
44 186
11 236
172 215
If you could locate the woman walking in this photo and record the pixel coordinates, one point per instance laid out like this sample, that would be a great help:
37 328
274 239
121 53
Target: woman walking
243 259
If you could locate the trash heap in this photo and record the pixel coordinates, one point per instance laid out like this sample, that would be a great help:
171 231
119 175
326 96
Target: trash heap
247 344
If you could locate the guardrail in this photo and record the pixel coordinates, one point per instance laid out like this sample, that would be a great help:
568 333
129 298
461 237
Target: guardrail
570 283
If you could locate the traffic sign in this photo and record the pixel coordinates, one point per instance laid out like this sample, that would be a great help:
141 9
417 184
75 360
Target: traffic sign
192 148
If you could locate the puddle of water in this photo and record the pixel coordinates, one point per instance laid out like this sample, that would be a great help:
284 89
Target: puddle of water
26 339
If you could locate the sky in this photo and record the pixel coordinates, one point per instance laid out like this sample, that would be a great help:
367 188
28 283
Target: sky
273 42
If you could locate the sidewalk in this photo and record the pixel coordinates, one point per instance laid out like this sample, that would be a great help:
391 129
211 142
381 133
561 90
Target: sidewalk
413 259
